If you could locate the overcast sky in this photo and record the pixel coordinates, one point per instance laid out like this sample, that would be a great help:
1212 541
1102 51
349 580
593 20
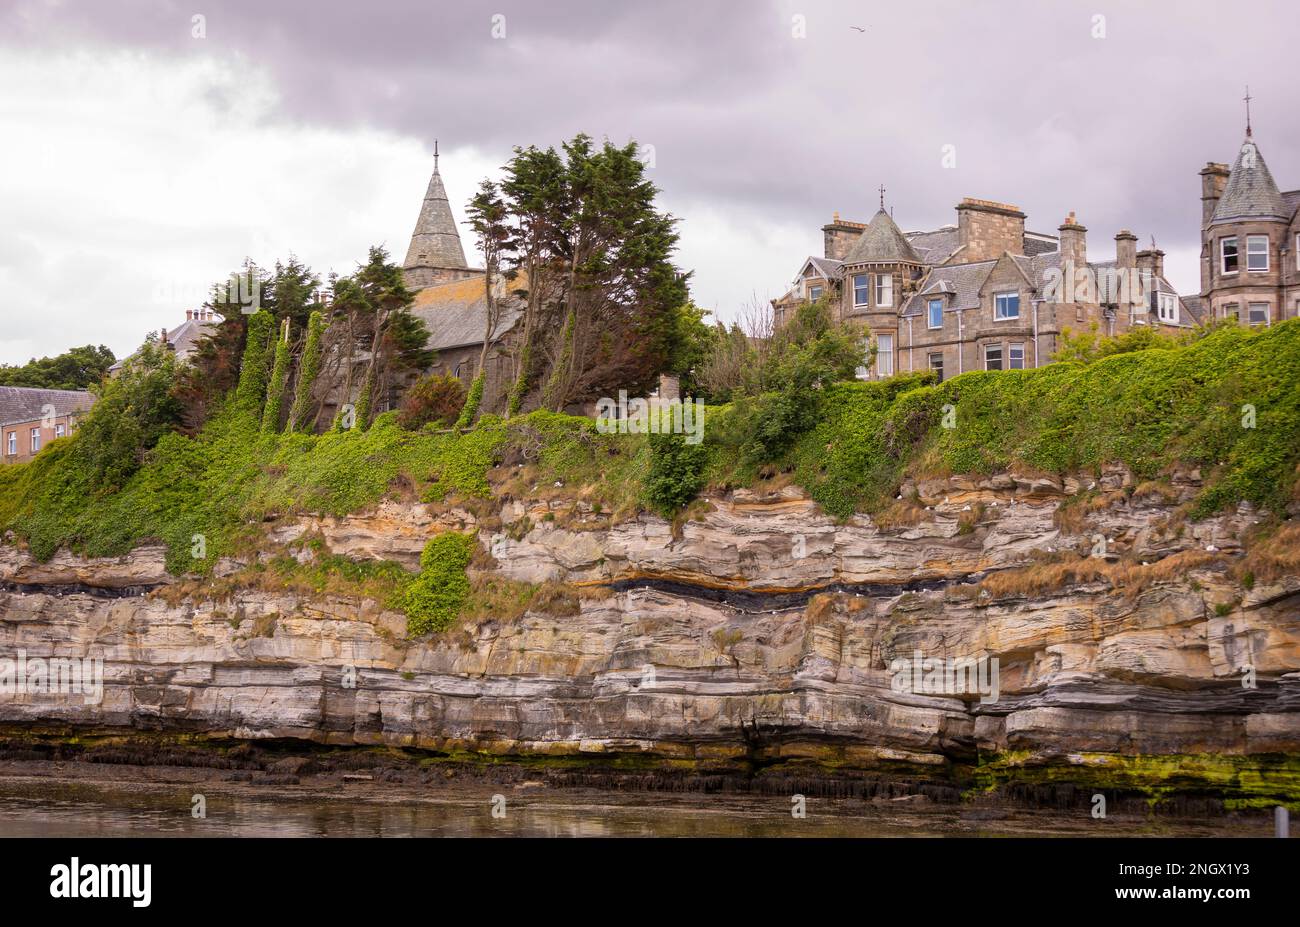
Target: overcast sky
144 153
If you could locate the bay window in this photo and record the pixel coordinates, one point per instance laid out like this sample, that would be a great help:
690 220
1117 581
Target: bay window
1228 255
860 289
884 290
1257 252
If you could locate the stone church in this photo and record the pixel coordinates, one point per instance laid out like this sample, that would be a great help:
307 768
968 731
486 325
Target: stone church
451 300
986 293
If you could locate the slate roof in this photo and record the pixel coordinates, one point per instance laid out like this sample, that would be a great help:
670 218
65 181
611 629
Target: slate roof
936 246
435 241
1195 308
881 242
456 313
24 404
827 267
961 280
1251 192
184 339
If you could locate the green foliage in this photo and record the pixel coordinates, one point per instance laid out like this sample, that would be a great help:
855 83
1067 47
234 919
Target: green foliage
1088 346
275 391
677 472
308 370
77 368
134 410
1226 403
472 401
256 364
435 399
436 597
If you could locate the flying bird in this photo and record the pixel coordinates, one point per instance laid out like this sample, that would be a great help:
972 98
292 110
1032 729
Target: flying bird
859 28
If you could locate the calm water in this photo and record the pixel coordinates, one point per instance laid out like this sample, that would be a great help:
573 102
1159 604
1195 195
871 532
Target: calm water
50 808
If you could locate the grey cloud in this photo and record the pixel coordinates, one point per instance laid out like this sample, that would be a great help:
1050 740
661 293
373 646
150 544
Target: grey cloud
751 121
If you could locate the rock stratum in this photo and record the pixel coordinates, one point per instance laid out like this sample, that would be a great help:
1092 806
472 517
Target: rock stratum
758 634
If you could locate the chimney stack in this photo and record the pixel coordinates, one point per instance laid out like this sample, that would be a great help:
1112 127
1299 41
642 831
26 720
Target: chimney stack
1074 254
1153 260
987 229
1125 249
1214 177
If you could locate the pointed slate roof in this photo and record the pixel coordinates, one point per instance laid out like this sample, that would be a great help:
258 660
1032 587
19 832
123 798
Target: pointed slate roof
435 241
881 242
1251 192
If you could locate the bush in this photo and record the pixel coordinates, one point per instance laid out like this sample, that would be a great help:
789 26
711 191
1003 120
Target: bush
435 399
134 411
676 472
436 597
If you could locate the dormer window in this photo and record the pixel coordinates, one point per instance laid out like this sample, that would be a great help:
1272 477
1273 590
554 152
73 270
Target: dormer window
884 290
1257 252
1167 307
934 313
814 293
860 290
1228 255
1006 306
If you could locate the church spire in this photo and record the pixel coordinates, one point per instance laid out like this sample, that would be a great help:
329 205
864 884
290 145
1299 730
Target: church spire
435 243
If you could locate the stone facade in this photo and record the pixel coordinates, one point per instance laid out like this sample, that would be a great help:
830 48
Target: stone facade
986 293
1250 241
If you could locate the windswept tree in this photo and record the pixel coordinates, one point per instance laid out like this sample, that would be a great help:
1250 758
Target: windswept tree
487 217
534 193
593 257
373 329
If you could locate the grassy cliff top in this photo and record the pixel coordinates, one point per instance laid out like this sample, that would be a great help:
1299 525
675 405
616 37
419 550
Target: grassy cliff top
1228 403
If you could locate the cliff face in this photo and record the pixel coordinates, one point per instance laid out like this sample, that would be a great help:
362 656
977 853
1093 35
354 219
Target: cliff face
758 632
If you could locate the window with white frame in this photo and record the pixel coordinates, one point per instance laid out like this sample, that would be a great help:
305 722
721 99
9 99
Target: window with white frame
36 440
1015 357
1257 313
862 373
860 289
1297 252
1257 252
993 357
1006 306
1167 307
934 313
885 355
1230 311
12 448
814 293
1228 255
884 290
936 364
59 431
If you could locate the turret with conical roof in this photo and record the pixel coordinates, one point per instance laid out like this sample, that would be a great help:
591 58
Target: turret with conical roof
1246 263
881 243
1251 192
435 254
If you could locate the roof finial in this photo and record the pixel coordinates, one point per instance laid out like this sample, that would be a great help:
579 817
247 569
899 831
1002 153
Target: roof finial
1247 99
435 154
882 196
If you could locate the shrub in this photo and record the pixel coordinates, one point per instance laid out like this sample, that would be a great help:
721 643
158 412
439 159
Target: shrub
434 399
436 597
676 472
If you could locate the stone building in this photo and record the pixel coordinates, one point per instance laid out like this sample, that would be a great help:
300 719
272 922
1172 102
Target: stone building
451 300
988 293
1250 241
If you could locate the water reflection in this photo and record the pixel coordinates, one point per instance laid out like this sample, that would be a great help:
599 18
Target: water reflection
32 808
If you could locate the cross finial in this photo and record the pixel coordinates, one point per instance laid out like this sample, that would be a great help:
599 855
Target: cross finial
882 196
1247 99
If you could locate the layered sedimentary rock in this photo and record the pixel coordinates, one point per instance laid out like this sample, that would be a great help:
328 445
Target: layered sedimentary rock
759 631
